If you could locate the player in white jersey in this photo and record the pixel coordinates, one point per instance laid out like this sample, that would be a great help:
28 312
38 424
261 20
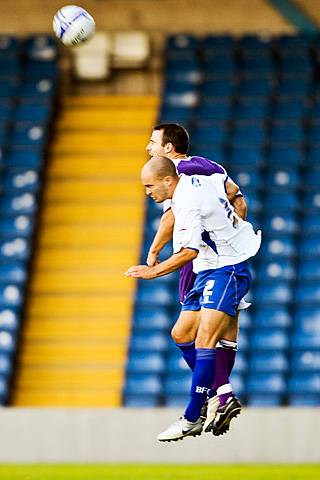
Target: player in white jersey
172 140
204 220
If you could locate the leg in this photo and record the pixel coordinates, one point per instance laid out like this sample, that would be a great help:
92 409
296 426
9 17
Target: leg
184 333
213 325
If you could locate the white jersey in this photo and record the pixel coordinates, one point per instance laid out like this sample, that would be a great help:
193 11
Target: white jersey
205 221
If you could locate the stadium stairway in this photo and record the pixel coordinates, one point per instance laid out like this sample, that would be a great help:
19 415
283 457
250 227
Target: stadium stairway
74 342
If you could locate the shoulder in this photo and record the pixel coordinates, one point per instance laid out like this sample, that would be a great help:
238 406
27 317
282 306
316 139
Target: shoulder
199 166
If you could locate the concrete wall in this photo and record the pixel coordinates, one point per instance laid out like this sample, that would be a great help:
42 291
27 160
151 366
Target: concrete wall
237 16
285 435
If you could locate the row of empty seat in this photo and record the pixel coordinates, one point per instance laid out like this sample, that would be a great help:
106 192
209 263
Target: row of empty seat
28 82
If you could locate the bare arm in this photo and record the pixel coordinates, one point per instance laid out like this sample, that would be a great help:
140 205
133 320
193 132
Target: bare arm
162 237
176 261
236 200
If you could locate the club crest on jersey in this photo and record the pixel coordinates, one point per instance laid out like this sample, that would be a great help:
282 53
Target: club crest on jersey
195 182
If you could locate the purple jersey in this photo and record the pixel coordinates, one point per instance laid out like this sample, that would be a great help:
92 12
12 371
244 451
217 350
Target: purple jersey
193 166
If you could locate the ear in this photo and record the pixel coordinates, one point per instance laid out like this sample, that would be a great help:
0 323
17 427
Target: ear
168 147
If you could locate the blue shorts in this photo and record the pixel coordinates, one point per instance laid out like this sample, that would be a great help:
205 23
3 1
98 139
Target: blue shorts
219 289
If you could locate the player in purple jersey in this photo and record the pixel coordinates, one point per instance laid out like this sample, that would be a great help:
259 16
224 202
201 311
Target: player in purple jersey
172 141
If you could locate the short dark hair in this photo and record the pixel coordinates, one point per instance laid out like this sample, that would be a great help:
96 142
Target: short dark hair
175 134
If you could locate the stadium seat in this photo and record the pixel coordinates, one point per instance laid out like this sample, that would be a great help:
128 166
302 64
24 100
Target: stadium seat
310 224
306 361
4 389
19 226
305 341
307 319
281 268
287 133
177 383
13 273
143 384
278 247
147 318
5 366
9 319
23 204
300 383
7 342
284 156
14 249
266 383
275 339
23 180
265 400
309 269
253 134
310 246
275 316
278 178
149 341
283 223
154 294
304 400
146 362
268 362
278 202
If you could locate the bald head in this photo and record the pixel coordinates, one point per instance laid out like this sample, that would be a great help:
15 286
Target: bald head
160 178
159 167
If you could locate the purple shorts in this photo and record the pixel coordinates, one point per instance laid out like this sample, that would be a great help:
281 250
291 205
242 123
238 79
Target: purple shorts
186 280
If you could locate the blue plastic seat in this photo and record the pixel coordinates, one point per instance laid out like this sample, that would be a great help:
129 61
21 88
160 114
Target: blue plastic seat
5 365
213 110
149 318
177 383
287 133
141 401
283 223
219 64
279 202
42 89
153 294
176 400
310 246
25 158
251 110
310 224
146 362
291 109
306 361
307 319
15 249
281 268
296 65
174 114
36 70
255 87
274 247
13 272
4 390
175 361
275 362
311 202
219 43
314 133
23 204
252 134
262 64
153 341
9 319
265 400
8 88
304 400
28 136
10 67
305 341
23 180
272 316
241 362
33 113
143 384
10 295
7 342
279 178
5 111
217 89
275 339
266 383
181 42
284 157
304 383
309 269
20 226
294 87
209 134
246 157
278 292
238 383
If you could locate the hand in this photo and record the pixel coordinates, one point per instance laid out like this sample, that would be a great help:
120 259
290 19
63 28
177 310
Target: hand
140 271
152 259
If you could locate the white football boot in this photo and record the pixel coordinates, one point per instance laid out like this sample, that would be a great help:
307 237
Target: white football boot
213 405
180 429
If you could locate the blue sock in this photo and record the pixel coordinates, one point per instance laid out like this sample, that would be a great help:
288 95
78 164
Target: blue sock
202 379
189 353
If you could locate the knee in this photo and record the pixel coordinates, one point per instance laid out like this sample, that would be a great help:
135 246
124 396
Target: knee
180 335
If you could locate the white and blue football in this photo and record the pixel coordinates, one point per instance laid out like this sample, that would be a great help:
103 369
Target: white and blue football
73 25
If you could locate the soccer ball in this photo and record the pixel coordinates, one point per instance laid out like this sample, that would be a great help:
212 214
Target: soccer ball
73 25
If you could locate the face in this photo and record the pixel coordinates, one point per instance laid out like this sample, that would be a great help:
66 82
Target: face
154 147
157 189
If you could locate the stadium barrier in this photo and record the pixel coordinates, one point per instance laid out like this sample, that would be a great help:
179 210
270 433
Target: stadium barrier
275 435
